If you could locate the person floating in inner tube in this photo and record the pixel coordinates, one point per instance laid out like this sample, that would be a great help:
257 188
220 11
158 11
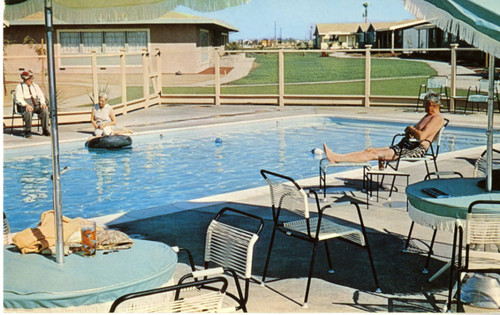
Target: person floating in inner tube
102 117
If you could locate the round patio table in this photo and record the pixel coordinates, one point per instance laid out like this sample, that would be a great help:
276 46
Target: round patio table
36 283
444 213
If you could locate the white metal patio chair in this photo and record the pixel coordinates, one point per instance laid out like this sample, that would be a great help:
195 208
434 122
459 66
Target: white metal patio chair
16 111
197 296
480 164
430 156
7 237
437 83
288 196
324 164
232 248
478 94
482 229
433 175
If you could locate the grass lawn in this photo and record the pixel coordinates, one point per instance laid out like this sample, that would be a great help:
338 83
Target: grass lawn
310 67
396 87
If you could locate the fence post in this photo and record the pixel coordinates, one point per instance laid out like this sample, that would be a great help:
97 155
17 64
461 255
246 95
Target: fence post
159 74
217 76
42 53
145 77
123 81
281 77
392 41
453 85
368 62
95 83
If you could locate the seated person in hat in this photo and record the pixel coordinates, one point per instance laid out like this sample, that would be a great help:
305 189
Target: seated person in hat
424 132
29 99
102 117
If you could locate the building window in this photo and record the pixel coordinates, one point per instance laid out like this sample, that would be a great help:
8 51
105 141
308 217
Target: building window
115 41
102 42
333 38
224 39
70 42
204 38
92 41
136 41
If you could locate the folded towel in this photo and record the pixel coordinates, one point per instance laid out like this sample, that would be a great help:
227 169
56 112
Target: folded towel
44 235
113 239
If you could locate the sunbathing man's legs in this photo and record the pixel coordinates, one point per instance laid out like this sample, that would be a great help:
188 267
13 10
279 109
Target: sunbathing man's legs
366 155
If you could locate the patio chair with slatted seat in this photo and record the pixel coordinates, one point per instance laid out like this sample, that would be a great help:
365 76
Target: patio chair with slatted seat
196 296
477 250
288 196
16 111
437 83
433 175
430 156
478 94
480 164
232 248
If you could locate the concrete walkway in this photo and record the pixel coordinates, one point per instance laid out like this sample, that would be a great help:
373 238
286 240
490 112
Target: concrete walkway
350 288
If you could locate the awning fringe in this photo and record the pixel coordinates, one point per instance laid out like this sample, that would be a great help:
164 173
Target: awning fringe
445 21
117 10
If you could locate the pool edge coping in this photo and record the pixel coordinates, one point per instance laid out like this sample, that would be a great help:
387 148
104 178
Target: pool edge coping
235 196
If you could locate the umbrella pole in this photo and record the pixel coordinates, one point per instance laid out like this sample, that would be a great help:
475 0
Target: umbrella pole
56 183
489 132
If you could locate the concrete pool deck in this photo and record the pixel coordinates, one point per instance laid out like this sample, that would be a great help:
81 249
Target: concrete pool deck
350 288
162 117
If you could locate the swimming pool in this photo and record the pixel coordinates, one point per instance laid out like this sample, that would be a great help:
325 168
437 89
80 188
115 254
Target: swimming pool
186 164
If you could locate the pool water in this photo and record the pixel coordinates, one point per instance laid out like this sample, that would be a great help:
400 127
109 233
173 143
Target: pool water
181 165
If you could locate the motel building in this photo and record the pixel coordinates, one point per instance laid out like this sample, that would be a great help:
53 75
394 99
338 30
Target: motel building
186 43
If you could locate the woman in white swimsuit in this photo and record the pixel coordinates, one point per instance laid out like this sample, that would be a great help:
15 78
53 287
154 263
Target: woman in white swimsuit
102 117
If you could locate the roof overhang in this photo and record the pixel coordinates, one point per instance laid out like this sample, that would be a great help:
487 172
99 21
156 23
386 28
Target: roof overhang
38 19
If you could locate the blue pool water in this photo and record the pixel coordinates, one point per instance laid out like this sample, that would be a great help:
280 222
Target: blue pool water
187 164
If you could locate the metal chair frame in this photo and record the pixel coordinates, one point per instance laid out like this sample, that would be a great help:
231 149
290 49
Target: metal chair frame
324 164
177 303
480 165
468 260
447 174
431 154
311 229
232 249
15 111
480 95
434 82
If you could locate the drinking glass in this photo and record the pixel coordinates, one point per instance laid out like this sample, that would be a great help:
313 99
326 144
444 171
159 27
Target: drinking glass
88 230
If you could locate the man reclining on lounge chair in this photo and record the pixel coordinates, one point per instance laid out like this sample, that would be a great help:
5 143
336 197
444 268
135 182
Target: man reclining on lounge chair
424 131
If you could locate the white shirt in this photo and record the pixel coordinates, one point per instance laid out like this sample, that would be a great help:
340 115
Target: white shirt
102 115
23 95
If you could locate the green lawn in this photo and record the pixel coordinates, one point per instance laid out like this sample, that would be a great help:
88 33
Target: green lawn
310 67
396 87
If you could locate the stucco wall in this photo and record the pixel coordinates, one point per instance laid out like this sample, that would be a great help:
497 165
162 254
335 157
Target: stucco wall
178 44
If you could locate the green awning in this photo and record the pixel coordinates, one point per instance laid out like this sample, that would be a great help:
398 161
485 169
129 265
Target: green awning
93 11
474 21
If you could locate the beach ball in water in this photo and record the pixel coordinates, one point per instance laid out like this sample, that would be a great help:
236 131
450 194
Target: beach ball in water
317 151
218 140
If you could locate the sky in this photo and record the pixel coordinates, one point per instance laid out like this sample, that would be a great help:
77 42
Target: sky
294 18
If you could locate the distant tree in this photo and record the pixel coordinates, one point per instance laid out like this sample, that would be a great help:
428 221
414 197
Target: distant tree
233 46
33 44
